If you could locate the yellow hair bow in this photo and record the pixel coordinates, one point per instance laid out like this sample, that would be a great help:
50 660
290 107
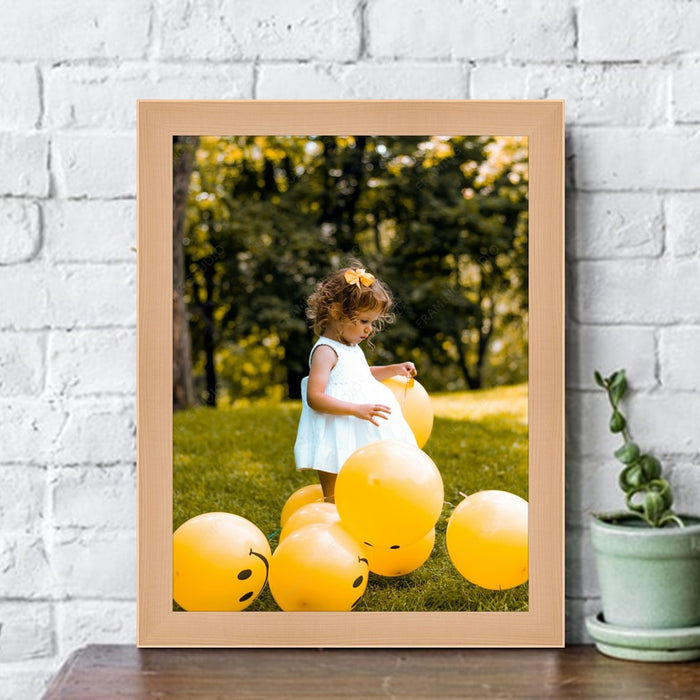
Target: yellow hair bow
359 275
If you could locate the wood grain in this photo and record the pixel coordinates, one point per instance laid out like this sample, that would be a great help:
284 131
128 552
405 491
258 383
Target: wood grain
576 672
543 123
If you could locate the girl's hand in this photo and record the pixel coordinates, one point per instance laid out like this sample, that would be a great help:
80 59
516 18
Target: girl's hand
406 369
371 411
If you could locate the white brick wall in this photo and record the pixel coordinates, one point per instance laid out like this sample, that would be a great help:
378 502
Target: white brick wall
69 75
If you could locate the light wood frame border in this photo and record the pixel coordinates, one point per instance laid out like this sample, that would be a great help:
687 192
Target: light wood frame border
543 624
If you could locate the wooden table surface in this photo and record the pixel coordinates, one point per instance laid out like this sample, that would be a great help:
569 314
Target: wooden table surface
576 672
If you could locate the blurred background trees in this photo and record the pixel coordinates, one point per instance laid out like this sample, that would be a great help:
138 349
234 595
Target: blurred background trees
442 220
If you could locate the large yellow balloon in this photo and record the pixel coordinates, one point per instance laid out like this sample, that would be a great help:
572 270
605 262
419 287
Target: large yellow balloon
220 562
318 567
399 560
389 493
487 539
415 406
308 515
306 494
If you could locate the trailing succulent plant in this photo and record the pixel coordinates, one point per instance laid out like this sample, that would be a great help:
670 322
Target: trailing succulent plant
647 495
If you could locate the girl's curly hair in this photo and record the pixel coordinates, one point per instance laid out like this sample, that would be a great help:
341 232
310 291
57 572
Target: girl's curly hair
334 299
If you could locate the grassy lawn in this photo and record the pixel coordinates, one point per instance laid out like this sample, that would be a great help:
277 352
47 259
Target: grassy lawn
240 460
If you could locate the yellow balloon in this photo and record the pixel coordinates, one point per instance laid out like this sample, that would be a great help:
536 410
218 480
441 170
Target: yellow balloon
306 494
389 493
487 539
220 562
400 559
415 406
318 567
308 515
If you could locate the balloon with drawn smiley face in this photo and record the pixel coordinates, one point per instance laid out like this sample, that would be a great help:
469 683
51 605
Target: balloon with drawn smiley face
389 493
318 567
399 560
220 562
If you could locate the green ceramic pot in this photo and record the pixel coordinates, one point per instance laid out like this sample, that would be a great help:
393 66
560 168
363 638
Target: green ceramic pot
649 577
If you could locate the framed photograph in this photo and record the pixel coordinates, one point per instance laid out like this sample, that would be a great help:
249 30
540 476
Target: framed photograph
287 245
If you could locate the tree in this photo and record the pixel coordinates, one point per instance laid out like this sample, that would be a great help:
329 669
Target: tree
442 220
183 387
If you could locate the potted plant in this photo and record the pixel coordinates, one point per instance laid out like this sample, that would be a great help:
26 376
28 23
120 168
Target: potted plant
647 557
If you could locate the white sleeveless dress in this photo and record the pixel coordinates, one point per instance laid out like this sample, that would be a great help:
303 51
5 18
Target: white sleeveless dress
324 441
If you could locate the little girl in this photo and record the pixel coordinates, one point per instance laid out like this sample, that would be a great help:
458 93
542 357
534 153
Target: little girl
344 403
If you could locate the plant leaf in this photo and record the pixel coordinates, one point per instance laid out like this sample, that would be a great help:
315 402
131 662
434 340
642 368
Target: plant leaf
654 507
599 379
650 466
618 386
617 422
628 453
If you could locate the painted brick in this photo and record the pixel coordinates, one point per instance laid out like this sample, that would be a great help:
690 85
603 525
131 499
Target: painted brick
71 29
633 173
222 30
26 286
102 432
92 362
95 564
679 352
27 682
476 29
594 94
20 231
591 487
604 225
92 295
104 97
621 159
22 363
637 291
683 224
26 632
28 429
662 423
586 418
685 97
637 30
83 622
94 165
362 81
581 575
68 296
576 612
24 171
685 480
26 573
22 498
94 497
90 230
20 106
609 348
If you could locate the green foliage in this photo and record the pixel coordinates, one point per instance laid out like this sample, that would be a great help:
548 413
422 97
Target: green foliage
647 495
442 220
240 460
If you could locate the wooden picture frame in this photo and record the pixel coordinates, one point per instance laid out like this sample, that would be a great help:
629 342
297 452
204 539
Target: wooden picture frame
543 624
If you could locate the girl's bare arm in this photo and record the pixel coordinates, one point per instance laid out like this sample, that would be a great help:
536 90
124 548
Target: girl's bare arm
322 362
404 369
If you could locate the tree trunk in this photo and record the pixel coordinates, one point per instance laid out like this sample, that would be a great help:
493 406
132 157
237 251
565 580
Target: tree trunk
473 382
183 387
209 341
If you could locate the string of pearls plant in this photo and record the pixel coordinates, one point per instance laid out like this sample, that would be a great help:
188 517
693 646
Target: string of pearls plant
647 495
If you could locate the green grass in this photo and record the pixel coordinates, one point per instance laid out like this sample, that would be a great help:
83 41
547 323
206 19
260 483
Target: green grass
240 460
